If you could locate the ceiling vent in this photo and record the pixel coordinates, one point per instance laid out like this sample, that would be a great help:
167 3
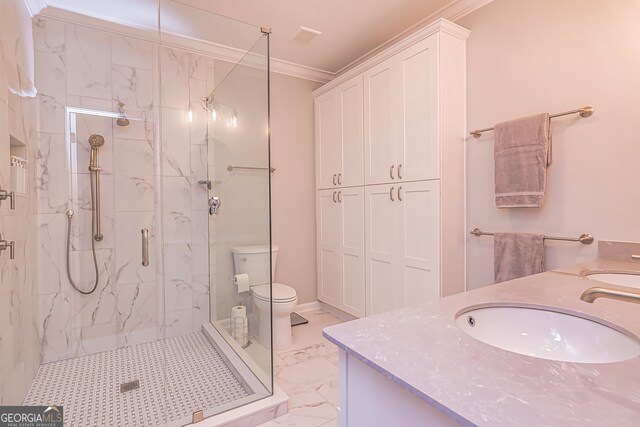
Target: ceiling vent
304 35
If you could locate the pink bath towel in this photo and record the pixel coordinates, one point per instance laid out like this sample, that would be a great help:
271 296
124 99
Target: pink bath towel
522 153
517 255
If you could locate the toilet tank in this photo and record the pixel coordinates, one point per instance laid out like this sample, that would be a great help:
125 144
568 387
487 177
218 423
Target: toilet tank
254 261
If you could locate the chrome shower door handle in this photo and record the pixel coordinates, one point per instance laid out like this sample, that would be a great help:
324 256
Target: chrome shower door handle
145 247
214 205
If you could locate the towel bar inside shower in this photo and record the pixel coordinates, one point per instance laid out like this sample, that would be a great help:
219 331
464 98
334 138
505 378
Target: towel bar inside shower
584 113
585 239
231 168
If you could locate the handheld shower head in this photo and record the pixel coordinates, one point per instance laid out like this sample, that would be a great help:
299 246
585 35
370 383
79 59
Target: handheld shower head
96 141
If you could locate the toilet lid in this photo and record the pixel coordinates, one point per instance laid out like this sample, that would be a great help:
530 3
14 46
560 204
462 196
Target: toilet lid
281 292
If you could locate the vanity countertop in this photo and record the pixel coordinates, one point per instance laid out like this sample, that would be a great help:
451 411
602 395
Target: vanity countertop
422 349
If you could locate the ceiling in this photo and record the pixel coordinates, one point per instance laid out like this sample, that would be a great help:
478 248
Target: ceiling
350 28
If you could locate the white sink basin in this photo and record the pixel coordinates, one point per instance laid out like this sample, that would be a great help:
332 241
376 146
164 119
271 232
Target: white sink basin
623 279
548 334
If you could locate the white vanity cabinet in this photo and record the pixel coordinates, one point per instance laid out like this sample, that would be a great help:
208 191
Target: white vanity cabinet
340 237
338 133
393 127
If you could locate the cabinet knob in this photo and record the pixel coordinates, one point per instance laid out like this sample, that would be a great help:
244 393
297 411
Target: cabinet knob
391 171
391 194
400 171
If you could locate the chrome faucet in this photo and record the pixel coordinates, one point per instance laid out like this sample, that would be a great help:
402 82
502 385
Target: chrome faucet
591 294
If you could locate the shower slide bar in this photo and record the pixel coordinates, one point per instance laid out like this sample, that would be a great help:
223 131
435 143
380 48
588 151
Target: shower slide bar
584 113
585 239
249 168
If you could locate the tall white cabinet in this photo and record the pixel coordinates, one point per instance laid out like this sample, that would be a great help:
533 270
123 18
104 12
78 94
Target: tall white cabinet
390 139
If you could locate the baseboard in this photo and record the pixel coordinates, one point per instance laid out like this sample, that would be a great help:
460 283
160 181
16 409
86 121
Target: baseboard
308 306
342 315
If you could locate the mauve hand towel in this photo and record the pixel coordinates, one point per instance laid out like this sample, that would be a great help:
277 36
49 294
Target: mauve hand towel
522 153
517 255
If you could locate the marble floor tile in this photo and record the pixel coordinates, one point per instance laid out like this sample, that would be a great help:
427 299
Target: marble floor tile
308 373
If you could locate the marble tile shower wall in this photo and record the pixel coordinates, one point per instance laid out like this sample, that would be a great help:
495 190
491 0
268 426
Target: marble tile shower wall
19 346
149 180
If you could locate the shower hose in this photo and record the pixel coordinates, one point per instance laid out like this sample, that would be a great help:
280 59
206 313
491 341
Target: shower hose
93 241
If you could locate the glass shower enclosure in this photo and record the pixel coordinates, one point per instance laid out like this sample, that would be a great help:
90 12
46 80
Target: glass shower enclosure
152 165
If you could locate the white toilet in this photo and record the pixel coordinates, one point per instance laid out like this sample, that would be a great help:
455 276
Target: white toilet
254 261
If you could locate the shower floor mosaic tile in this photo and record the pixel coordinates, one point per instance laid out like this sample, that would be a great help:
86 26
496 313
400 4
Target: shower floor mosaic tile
89 386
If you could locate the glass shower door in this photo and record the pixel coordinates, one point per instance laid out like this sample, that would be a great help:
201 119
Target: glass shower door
239 168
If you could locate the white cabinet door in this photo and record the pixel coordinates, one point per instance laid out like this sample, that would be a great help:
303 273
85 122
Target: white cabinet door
419 241
328 235
328 139
381 229
352 143
351 201
379 123
340 236
418 155
339 136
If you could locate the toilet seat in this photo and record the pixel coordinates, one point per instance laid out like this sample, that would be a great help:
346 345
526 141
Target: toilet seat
281 293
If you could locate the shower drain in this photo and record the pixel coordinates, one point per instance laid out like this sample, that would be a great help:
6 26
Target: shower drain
128 386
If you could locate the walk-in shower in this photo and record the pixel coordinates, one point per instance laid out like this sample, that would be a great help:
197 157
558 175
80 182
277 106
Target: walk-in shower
135 287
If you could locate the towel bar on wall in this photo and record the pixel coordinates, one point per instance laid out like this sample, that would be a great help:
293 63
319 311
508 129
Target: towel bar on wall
584 113
249 168
585 239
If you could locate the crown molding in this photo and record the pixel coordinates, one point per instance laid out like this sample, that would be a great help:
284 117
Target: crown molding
451 12
35 6
194 45
440 25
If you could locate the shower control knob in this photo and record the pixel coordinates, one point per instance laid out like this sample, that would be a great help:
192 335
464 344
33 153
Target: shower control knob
10 245
214 205
4 195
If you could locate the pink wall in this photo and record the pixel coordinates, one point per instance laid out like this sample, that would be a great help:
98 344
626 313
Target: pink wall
526 57
293 183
